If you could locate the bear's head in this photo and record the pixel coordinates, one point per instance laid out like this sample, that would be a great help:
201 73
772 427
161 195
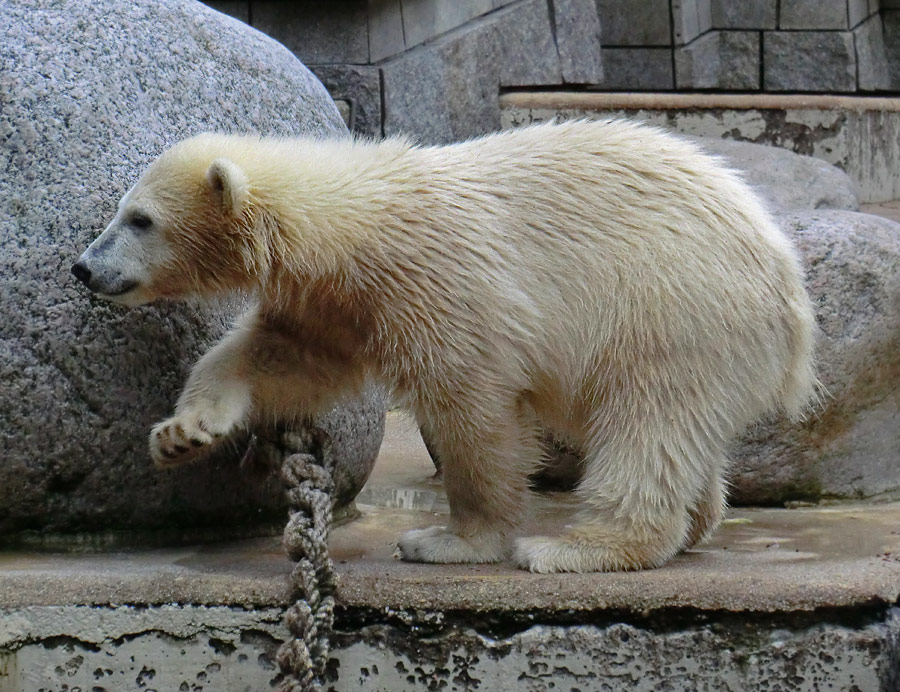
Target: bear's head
186 228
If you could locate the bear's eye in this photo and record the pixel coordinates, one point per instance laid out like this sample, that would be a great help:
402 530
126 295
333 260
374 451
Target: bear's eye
140 221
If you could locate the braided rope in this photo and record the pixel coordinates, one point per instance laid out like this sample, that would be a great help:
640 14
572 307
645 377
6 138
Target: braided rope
309 485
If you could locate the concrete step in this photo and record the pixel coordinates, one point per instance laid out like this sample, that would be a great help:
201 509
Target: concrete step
792 599
859 135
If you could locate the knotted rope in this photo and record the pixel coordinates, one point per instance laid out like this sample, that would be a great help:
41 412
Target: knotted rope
308 482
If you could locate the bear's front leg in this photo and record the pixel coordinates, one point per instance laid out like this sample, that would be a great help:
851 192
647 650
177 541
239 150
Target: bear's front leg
216 401
485 463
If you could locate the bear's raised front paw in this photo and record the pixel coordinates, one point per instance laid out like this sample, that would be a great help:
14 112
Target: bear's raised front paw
180 439
438 544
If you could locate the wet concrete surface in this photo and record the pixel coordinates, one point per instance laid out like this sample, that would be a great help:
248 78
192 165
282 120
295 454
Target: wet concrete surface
760 560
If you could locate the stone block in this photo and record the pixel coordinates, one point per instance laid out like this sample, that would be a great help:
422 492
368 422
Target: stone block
813 14
809 61
578 40
444 91
360 87
637 69
691 19
719 60
426 19
385 29
871 56
634 22
891 37
317 32
448 89
740 14
857 12
525 52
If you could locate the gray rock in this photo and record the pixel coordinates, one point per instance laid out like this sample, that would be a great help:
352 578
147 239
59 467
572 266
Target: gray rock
813 14
91 96
787 181
871 56
849 447
637 69
721 60
349 433
740 14
809 61
634 22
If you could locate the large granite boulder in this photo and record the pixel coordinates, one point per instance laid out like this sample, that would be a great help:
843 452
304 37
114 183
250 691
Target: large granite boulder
93 91
849 447
785 180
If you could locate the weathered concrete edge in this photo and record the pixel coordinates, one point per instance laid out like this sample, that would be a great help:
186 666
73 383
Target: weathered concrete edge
498 593
592 100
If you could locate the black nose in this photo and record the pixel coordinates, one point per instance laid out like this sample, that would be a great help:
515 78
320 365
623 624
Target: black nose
81 272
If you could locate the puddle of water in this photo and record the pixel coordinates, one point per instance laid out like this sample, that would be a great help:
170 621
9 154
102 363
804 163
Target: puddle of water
399 498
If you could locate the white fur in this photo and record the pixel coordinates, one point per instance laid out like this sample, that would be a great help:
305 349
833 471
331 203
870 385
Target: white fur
606 281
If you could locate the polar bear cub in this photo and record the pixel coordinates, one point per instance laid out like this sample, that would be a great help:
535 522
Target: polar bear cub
605 281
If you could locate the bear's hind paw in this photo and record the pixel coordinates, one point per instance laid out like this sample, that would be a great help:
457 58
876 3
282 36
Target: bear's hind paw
438 544
546 555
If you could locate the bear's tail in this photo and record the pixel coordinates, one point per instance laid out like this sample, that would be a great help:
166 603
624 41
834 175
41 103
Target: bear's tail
800 389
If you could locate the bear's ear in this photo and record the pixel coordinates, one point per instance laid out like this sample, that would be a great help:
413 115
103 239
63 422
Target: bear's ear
229 185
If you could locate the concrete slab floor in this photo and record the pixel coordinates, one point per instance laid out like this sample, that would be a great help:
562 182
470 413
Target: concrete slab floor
761 560
779 599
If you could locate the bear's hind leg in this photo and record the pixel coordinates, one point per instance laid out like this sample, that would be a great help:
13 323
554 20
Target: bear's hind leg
638 494
485 465
707 512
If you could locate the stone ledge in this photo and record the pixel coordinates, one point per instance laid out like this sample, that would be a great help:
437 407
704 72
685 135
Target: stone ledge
760 561
679 101
803 594
859 135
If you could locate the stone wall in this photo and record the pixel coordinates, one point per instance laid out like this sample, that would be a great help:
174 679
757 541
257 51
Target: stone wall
825 46
434 68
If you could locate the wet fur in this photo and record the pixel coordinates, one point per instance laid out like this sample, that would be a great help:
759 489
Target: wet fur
606 281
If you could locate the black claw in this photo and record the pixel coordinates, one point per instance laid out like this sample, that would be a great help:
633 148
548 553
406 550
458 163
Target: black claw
196 442
180 449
